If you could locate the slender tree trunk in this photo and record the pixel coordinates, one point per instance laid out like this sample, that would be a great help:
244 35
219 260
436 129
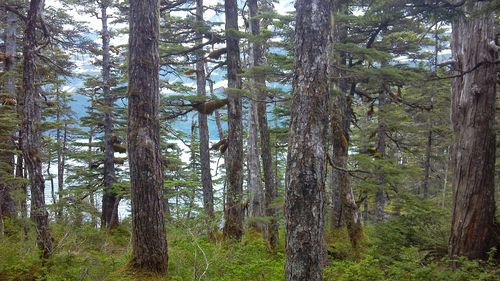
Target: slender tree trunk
255 208
342 181
259 81
306 169
206 174
256 202
427 163
337 219
61 159
51 179
109 198
473 227
340 123
31 143
380 154
446 172
233 228
149 245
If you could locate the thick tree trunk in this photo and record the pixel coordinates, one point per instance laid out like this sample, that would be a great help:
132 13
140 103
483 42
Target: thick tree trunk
473 228
206 175
306 169
7 202
110 200
233 227
380 154
31 143
149 245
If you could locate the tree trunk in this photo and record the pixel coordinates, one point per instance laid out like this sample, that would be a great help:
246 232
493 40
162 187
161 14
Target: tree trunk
110 200
256 202
473 227
233 227
259 81
427 163
255 208
61 162
149 245
31 143
380 154
7 202
306 169
340 142
206 174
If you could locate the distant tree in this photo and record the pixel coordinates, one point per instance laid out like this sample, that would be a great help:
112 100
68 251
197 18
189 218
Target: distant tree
110 200
149 245
206 174
305 179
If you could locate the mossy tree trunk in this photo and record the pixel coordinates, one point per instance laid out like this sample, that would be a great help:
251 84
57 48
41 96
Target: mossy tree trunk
233 227
7 186
149 245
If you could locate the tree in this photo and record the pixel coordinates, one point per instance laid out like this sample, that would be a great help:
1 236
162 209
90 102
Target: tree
8 96
110 199
31 136
254 186
206 175
473 228
149 246
305 179
341 118
233 228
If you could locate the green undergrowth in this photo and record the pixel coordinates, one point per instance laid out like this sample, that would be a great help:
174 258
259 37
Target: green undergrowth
408 247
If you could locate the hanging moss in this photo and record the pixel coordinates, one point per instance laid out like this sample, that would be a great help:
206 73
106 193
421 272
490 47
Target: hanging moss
221 146
119 148
119 160
210 106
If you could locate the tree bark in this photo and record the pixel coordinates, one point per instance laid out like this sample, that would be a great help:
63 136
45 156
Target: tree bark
110 200
233 228
149 246
473 227
256 202
342 181
427 163
380 154
31 142
7 202
306 169
206 174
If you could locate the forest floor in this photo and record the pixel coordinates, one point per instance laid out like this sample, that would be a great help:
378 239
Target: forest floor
409 247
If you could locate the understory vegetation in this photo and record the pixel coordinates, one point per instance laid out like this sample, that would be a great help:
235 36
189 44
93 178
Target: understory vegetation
408 247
